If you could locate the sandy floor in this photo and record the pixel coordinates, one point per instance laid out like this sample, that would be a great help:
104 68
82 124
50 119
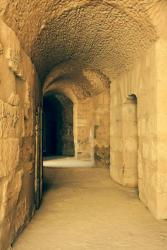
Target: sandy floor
59 161
83 209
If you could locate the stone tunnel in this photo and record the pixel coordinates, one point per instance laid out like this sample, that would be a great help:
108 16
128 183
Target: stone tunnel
84 80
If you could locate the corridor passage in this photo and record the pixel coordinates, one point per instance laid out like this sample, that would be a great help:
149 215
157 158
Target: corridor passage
67 162
83 209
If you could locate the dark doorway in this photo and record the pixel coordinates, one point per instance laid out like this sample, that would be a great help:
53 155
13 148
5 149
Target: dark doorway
58 139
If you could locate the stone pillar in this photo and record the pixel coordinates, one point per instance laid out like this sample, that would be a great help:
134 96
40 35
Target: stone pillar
130 142
116 142
85 140
161 187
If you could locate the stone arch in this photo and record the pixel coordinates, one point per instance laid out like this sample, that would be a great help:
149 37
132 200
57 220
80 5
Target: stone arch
58 136
86 88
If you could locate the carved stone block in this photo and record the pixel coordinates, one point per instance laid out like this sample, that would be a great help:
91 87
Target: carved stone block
14 62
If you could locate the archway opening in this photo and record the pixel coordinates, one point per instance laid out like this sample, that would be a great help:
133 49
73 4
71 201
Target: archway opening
58 138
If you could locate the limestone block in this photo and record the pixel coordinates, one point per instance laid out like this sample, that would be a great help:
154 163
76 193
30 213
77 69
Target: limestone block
152 125
5 234
117 159
14 99
1 109
162 102
28 124
1 49
130 144
14 185
83 155
28 167
3 187
162 124
129 112
9 156
116 129
130 161
130 129
21 214
117 144
27 102
10 121
14 61
162 183
12 189
102 153
116 173
82 122
161 211
162 150
140 169
142 127
153 151
145 150
83 133
84 146
26 149
130 182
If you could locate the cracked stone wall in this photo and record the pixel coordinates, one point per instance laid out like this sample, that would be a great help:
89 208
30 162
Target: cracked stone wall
17 81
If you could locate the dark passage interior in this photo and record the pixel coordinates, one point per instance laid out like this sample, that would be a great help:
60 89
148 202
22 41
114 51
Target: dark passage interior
58 139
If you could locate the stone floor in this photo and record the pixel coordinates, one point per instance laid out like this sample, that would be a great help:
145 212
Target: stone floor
61 161
83 209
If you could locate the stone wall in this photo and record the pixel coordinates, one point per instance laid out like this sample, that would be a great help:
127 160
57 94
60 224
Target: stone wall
102 128
92 128
17 81
147 169
161 188
84 143
89 92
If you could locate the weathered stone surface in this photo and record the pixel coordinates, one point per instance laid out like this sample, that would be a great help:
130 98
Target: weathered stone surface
20 215
9 156
14 100
102 154
16 157
1 49
9 120
12 188
95 47
126 52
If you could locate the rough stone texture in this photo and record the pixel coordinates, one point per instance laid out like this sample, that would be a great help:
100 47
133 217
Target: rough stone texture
102 128
16 137
89 92
147 81
91 33
79 48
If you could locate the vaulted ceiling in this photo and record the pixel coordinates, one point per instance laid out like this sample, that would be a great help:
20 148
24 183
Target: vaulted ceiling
102 35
